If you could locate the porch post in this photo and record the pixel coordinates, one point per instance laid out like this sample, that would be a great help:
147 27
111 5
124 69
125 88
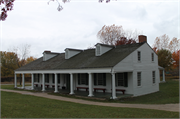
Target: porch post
113 86
32 81
23 86
43 83
90 85
56 87
15 80
163 76
71 83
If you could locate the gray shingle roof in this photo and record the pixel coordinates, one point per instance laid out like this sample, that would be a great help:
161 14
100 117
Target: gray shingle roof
83 60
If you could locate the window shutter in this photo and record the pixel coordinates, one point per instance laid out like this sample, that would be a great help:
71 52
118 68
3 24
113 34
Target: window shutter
116 80
95 79
87 79
58 78
104 79
78 79
125 79
38 78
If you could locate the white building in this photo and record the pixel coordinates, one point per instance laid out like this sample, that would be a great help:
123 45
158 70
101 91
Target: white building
132 69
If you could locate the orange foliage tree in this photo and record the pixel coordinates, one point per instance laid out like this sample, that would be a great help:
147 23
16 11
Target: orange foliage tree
116 35
175 57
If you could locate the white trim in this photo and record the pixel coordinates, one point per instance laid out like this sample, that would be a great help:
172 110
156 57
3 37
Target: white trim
67 71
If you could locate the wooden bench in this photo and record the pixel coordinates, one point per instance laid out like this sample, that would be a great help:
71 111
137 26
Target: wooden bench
99 89
54 86
120 90
82 88
45 85
36 85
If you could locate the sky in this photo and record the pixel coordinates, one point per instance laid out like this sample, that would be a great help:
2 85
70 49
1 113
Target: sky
43 27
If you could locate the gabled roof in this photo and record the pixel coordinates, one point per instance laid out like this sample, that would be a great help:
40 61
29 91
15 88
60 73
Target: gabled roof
85 59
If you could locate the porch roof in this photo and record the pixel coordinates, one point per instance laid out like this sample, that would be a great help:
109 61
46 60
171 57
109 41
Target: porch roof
84 60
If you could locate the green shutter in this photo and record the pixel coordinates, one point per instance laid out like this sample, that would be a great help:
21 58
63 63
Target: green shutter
78 79
87 79
104 79
95 79
125 79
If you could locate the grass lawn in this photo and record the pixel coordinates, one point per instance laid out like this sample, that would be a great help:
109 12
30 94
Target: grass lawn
169 93
14 105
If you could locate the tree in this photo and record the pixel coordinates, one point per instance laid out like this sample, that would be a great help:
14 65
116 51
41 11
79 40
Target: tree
8 63
116 35
163 42
30 59
175 57
22 53
6 5
165 59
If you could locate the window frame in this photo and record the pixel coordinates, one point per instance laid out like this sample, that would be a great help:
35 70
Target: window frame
100 77
154 77
139 56
152 57
83 79
139 79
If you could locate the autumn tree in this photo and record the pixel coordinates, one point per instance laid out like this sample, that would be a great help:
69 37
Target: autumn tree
116 35
163 42
30 59
8 63
175 57
5 5
165 59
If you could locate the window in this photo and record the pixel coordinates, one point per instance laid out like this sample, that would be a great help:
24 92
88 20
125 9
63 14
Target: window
122 79
100 79
139 56
36 77
154 76
138 78
46 78
152 56
82 79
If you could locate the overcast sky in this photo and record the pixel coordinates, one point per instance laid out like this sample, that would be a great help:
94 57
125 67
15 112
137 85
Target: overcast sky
36 23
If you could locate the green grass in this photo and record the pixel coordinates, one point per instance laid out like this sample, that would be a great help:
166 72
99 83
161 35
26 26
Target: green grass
14 105
169 93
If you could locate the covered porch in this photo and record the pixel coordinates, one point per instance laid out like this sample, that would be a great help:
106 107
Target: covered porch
100 83
97 95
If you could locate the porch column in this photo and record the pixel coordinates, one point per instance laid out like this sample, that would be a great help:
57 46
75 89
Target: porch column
15 80
32 81
163 76
23 86
56 87
113 86
90 85
43 83
71 83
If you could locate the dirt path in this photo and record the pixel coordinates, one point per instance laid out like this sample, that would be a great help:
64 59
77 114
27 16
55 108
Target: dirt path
165 107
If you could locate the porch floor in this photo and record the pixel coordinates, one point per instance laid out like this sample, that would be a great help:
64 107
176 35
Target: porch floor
105 95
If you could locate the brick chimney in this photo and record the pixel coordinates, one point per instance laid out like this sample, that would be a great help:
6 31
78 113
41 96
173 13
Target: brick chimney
142 38
46 51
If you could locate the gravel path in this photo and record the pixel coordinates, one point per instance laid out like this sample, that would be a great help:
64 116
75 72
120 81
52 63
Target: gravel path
165 107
